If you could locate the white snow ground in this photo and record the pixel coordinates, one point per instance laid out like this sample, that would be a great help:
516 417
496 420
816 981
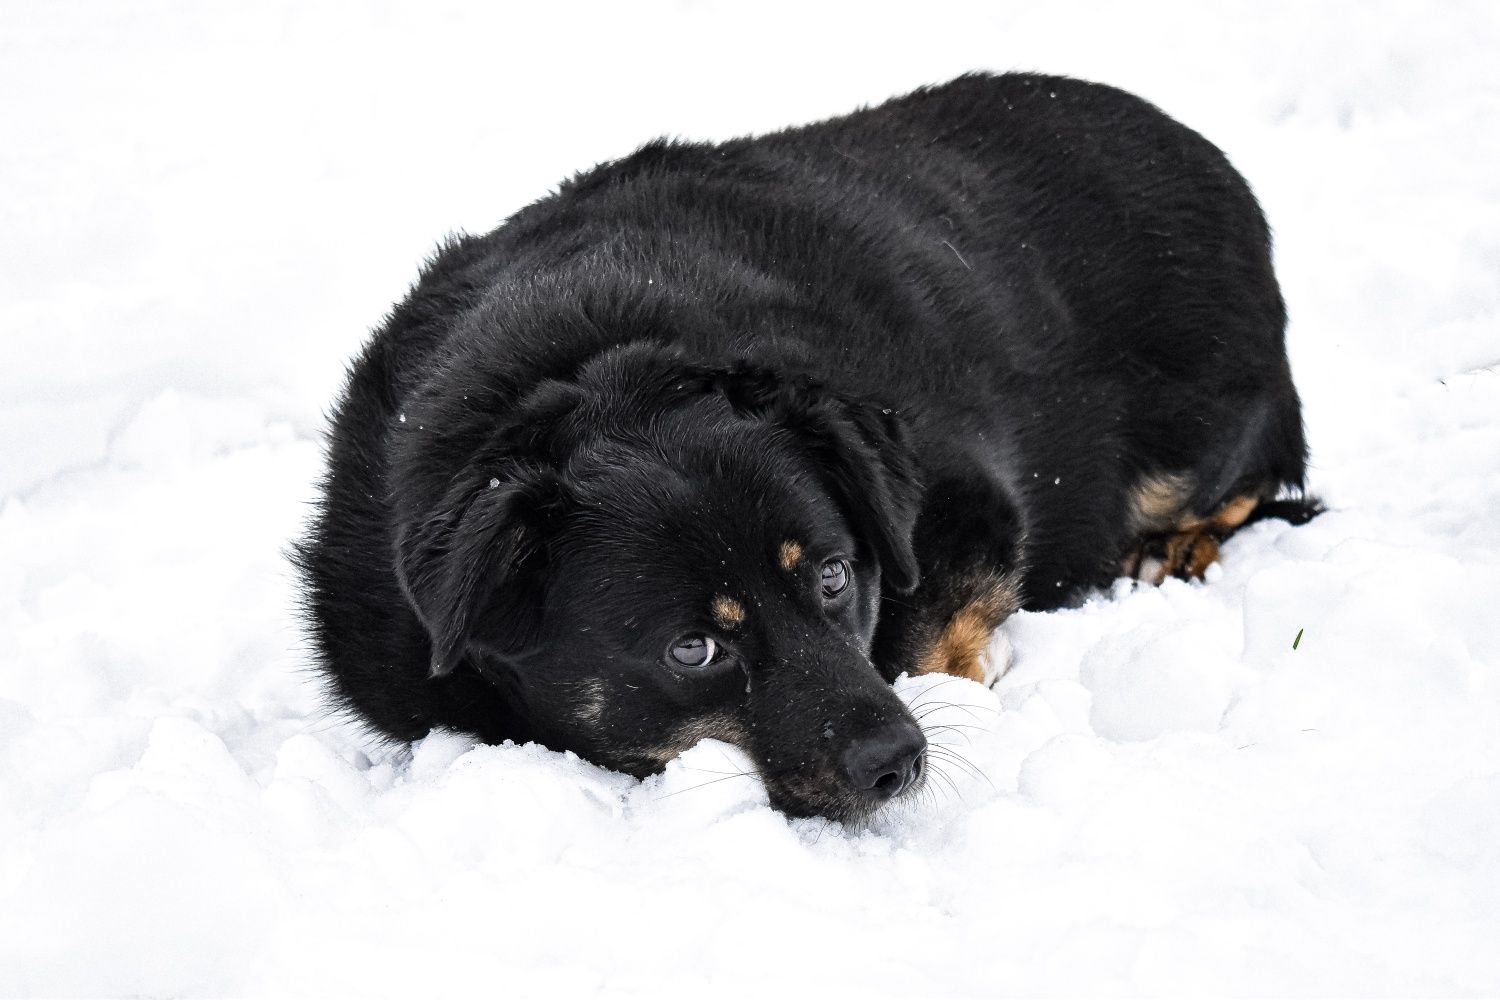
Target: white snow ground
204 207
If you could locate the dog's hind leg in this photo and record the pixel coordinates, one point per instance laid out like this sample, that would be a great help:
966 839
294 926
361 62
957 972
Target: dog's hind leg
1189 545
1179 519
1171 541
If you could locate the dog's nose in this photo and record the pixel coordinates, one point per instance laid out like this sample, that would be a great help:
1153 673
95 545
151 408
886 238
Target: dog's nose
886 762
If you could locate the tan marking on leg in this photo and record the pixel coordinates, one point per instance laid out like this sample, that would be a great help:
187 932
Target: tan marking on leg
1194 546
1189 554
1203 553
790 555
1177 548
959 648
1233 514
728 613
1184 546
1157 501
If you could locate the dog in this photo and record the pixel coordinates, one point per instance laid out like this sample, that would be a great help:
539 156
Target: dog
720 439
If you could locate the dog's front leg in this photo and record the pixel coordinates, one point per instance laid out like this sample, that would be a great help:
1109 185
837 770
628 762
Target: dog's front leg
968 542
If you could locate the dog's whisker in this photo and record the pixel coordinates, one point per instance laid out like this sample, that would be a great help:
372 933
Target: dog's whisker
925 698
967 765
939 774
910 804
704 784
956 785
949 754
930 709
955 729
928 690
968 709
947 750
927 796
923 794
949 745
951 725
950 735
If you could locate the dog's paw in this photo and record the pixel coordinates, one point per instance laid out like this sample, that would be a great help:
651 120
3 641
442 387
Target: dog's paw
997 657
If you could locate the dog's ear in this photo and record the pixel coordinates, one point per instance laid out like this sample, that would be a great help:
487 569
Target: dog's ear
860 447
482 550
864 450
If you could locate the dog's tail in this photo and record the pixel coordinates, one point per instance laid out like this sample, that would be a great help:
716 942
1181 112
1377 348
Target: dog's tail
1294 510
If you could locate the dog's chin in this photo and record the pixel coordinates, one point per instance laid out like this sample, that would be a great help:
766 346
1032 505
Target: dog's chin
802 798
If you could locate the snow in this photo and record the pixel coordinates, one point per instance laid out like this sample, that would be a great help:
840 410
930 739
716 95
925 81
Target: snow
204 209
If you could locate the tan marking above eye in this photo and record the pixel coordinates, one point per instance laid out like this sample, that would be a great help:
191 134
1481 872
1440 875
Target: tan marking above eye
728 612
791 554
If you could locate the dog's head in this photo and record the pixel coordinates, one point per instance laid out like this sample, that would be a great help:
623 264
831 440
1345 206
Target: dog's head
654 551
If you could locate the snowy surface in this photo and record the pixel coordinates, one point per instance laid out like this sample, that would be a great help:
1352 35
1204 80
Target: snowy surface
204 207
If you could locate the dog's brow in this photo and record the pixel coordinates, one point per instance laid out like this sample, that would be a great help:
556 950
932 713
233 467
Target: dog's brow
791 554
728 612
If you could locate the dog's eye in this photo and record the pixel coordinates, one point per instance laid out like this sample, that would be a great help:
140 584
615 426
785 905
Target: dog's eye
835 577
694 651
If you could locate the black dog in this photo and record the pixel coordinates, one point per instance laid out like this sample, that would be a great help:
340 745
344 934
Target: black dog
720 439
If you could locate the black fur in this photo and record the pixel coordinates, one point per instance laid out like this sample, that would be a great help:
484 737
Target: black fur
944 338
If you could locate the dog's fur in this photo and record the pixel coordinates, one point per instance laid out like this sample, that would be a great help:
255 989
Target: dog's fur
994 343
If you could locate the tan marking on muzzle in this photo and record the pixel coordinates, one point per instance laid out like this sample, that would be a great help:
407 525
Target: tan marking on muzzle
710 727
